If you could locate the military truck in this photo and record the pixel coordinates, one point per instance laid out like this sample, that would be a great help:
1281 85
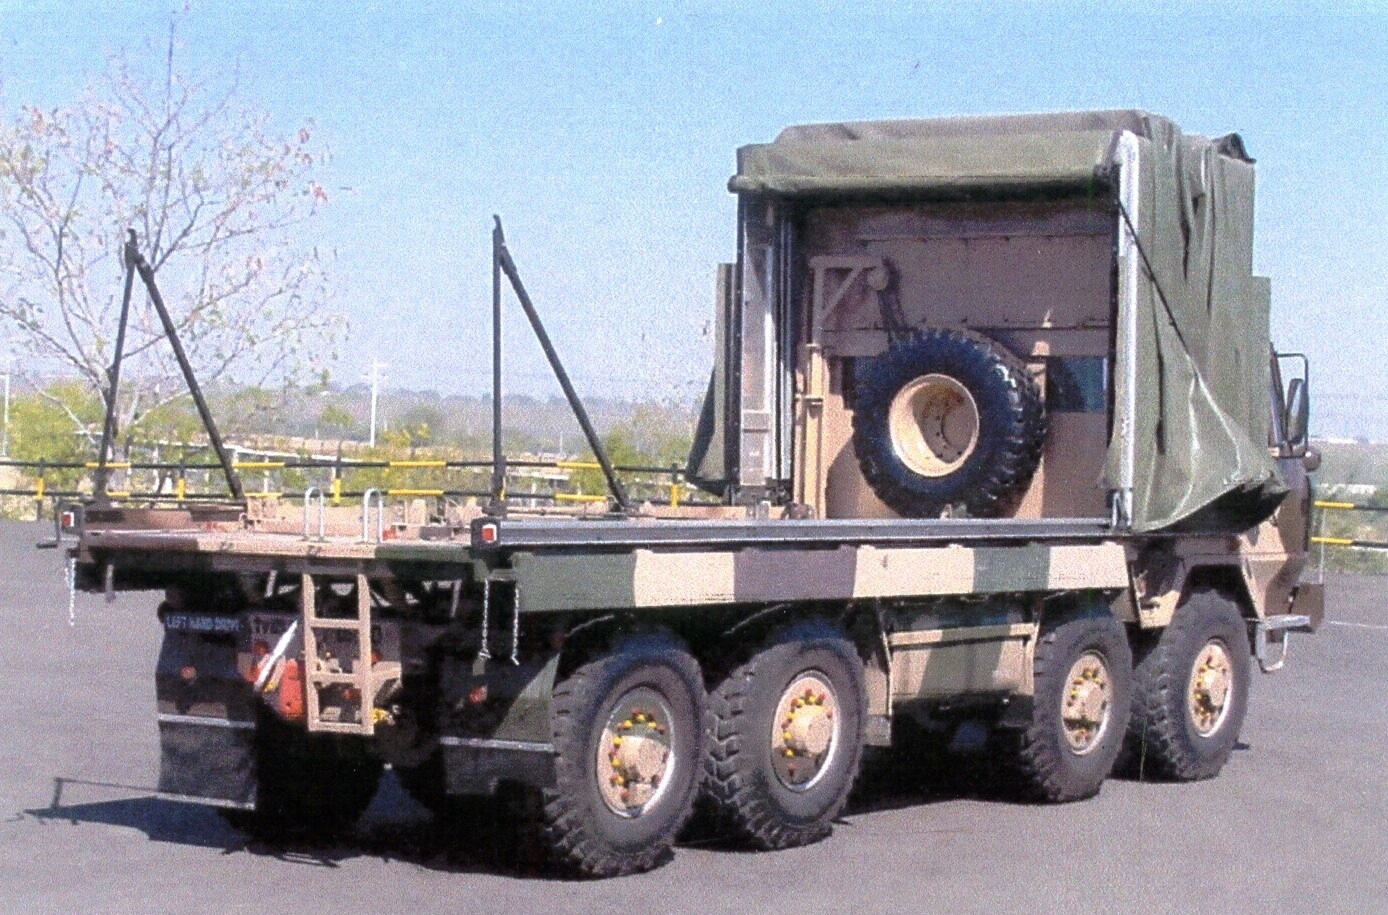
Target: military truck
995 434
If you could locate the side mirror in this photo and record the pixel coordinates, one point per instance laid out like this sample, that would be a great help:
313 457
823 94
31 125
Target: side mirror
1298 413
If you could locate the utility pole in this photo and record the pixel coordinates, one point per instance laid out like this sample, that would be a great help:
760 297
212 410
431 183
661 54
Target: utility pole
375 378
5 441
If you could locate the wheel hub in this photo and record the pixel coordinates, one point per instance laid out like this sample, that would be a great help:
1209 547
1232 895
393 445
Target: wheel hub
1085 707
1211 682
934 425
634 752
804 732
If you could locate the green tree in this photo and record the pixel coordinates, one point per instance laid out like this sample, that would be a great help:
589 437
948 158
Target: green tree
336 420
41 429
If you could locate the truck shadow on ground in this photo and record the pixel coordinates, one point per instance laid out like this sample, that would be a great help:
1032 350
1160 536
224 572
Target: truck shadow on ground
395 828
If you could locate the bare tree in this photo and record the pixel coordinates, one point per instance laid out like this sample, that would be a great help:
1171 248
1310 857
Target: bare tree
216 198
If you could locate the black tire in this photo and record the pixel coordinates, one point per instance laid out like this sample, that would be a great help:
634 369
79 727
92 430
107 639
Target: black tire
578 825
928 470
308 786
1043 755
750 795
1165 741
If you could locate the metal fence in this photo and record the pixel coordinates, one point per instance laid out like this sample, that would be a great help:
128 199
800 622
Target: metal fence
189 481
1321 540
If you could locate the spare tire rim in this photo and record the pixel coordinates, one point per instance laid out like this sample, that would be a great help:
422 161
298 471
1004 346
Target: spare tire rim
805 731
1084 711
1211 684
634 760
934 425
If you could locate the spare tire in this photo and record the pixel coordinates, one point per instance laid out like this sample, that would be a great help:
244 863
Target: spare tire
947 419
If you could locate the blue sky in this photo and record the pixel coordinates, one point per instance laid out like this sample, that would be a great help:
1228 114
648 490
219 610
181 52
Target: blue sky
604 135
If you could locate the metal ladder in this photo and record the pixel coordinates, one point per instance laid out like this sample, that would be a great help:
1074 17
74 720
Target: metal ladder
366 677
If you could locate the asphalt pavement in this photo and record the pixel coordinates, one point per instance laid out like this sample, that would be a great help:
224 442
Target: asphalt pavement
1298 821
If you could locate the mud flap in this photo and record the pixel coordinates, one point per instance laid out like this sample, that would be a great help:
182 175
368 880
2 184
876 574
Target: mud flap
500 728
207 761
1309 601
206 712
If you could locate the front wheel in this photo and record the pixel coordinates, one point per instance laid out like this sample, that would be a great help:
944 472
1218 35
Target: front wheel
626 728
1190 692
785 737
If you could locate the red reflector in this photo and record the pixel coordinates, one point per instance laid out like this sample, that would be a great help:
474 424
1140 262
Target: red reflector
187 673
477 695
489 533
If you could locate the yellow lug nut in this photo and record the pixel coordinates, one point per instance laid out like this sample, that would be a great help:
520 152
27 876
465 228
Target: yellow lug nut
786 736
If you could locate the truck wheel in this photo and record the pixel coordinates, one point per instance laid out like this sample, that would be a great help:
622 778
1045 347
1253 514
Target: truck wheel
1190 692
308 786
626 729
785 738
1083 692
948 418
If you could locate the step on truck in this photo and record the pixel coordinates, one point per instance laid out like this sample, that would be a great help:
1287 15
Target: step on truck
995 434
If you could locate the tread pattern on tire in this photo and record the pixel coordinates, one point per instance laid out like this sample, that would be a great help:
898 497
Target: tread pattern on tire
740 807
1159 746
1012 424
1035 754
565 831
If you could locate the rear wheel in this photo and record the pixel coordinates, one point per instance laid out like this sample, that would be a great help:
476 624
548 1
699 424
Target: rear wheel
307 785
1190 692
1083 688
627 744
785 737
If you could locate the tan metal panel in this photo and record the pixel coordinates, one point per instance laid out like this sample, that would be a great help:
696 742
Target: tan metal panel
1101 565
665 579
890 572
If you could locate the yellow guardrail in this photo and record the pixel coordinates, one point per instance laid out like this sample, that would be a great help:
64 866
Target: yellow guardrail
1322 540
175 476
